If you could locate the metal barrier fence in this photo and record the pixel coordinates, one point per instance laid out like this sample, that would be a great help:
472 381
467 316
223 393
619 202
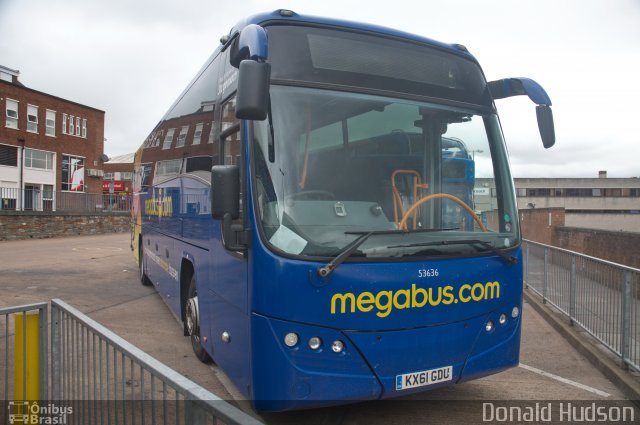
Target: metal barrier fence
14 330
601 297
96 377
35 199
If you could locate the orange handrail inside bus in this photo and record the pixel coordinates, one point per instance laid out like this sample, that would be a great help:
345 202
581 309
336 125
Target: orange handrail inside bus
414 207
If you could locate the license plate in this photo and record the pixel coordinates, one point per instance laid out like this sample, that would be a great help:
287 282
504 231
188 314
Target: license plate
423 378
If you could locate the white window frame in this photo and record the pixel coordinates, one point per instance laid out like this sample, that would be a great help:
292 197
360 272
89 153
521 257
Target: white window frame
210 141
12 122
64 123
50 130
168 139
32 118
78 126
197 135
84 174
70 127
182 137
48 161
84 128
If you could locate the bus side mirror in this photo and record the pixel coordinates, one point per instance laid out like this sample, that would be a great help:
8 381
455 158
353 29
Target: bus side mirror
545 125
509 87
252 100
225 191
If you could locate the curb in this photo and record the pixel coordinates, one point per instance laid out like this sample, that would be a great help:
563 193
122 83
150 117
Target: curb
612 370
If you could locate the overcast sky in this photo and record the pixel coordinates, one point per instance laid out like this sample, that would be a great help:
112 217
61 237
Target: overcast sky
132 58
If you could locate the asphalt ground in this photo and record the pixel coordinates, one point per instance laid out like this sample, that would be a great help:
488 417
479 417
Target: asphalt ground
98 276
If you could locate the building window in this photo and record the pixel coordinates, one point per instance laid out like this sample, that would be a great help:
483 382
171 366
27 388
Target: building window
182 137
38 159
84 128
47 197
171 166
72 173
32 118
9 155
109 176
64 123
213 123
70 127
78 126
198 134
12 113
50 129
126 175
168 139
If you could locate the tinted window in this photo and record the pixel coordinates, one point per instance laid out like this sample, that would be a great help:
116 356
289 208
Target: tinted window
373 62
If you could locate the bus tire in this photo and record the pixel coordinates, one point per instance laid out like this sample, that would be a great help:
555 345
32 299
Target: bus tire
144 280
192 322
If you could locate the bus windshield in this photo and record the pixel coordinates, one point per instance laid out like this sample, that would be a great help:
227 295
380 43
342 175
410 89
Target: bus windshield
339 164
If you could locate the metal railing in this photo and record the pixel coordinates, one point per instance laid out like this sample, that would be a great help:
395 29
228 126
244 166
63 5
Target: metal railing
601 297
15 350
35 199
96 377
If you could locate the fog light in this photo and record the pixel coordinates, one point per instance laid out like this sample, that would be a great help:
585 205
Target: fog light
503 319
337 346
489 326
315 342
515 312
290 339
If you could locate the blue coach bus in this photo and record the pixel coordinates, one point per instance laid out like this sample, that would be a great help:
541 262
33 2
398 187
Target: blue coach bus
305 208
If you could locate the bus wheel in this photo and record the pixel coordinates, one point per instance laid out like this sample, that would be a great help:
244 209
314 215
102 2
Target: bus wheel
143 274
192 323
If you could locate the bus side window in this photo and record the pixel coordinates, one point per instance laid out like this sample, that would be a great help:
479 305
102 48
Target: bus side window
231 145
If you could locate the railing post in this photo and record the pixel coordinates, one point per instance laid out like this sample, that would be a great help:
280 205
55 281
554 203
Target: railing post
572 290
44 352
193 413
625 351
55 351
545 280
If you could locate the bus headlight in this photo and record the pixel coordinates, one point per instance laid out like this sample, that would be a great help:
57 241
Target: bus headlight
337 346
489 326
503 319
315 342
291 339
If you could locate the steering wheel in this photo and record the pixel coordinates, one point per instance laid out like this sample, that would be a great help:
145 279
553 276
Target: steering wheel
405 217
312 194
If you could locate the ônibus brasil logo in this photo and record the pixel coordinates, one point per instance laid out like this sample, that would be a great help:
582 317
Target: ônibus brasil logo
31 412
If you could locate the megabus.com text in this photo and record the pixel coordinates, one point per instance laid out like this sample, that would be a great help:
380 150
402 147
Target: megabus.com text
384 302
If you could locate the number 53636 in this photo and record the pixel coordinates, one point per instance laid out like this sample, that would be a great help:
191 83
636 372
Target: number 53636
428 273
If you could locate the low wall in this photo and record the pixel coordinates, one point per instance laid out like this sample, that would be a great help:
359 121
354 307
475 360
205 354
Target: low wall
547 225
539 224
619 247
25 225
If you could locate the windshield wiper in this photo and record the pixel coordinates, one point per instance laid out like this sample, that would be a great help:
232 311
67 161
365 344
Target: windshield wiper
346 252
510 259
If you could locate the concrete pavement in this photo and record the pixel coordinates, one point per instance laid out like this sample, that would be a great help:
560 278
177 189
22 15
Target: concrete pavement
97 275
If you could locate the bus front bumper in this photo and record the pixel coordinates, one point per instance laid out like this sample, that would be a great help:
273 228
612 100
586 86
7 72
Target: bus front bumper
373 364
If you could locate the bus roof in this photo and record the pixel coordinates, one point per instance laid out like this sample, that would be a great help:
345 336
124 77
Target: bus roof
285 16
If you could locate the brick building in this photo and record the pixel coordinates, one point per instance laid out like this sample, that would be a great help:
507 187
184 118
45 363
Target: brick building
118 174
51 149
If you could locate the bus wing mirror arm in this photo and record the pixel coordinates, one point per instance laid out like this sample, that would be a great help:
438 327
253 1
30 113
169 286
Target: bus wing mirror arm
509 87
